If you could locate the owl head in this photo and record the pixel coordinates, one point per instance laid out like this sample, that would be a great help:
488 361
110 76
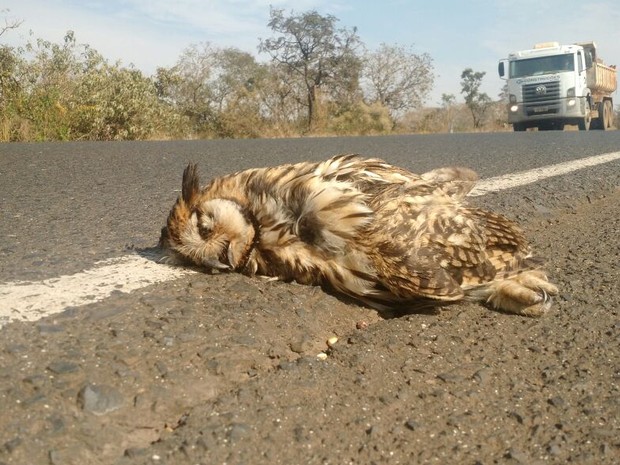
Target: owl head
211 232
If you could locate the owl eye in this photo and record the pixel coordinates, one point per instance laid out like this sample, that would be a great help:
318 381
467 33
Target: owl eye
205 232
204 222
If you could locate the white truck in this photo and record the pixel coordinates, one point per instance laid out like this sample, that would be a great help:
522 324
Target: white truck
552 85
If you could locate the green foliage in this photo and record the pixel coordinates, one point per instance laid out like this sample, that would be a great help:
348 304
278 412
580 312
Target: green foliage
315 54
362 119
318 81
397 78
478 103
217 91
69 91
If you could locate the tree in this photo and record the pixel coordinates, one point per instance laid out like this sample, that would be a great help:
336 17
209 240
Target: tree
9 23
447 103
478 103
312 49
210 85
397 78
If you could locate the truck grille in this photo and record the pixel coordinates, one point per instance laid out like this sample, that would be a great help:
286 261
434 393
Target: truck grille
541 98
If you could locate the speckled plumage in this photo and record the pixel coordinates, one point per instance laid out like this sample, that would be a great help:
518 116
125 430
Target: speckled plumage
367 229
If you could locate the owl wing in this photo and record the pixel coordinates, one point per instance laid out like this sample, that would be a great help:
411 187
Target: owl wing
454 181
439 250
363 172
429 245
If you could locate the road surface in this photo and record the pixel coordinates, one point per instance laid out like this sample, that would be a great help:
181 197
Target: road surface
109 357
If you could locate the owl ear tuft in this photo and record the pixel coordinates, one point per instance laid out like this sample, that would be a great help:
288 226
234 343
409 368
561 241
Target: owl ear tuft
191 184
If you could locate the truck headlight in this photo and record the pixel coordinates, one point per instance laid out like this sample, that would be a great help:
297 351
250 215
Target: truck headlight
512 98
570 94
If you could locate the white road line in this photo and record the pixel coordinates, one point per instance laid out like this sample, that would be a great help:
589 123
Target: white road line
521 178
28 301
31 301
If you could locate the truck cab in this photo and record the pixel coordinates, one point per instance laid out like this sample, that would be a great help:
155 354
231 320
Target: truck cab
551 85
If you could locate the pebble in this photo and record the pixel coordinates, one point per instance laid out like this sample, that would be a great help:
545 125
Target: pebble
557 401
482 375
332 341
301 345
412 425
238 432
517 455
61 367
49 329
450 377
99 399
134 452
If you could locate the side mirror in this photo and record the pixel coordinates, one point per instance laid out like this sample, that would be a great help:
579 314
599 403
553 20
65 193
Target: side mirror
500 69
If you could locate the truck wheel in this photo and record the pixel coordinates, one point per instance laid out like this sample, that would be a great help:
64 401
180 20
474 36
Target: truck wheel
584 124
603 115
609 115
518 127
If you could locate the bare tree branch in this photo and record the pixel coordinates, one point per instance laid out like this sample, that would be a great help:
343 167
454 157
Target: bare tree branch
9 24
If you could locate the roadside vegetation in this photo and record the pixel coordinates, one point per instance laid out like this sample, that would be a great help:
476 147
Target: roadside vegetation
315 78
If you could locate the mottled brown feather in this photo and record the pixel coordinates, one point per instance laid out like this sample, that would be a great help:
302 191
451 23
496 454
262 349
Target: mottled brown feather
362 227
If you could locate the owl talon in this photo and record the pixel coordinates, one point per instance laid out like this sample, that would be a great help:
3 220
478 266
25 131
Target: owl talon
528 293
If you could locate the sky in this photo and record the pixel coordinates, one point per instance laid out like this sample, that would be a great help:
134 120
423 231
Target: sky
457 34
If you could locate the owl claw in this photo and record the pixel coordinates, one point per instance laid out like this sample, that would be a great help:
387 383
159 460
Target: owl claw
529 293
216 265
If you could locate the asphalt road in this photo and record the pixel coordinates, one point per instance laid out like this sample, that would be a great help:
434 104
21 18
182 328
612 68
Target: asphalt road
67 205
223 369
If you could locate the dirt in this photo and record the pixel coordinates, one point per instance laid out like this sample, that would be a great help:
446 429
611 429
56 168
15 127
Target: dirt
225 369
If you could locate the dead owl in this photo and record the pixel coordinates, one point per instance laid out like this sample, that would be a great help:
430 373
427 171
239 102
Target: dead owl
362 227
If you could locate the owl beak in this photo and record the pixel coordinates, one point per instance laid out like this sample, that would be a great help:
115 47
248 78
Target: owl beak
219 263
216 265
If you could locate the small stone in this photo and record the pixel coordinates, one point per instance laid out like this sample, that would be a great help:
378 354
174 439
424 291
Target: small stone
482 375
161 368
331 342
412 425
16 348
321 356
301 345
61 367
36 381
374 430
99 399
49 329
238 432
557 401
517 416
134 452
11 445
450 377
285 365
554 449
517 455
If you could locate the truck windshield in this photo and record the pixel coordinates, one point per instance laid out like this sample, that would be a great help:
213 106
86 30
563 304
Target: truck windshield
542 65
